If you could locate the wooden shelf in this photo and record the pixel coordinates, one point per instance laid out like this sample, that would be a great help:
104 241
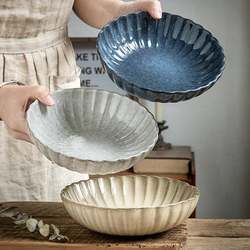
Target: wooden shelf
177 153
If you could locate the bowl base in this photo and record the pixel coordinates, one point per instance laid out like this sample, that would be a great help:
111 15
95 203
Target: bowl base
159 70
95 147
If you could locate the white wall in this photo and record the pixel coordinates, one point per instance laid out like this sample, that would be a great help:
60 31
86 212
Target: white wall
216 124
79 29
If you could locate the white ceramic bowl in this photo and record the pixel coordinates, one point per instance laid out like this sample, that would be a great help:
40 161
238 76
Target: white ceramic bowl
92 131
130 205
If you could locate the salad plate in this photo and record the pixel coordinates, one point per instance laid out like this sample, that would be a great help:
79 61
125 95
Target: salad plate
92 131
167 60
130 205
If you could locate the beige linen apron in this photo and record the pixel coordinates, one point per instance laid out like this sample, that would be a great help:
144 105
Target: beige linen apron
34 49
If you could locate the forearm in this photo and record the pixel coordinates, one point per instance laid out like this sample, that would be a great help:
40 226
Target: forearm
1 102
97 13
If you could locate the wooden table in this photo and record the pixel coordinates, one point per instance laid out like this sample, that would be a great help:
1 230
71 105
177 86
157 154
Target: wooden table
202 234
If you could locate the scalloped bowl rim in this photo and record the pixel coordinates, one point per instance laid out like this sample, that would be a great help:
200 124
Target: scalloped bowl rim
147 149
155 91
195 196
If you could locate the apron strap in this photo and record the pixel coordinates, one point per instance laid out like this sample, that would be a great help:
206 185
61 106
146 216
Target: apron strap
31 44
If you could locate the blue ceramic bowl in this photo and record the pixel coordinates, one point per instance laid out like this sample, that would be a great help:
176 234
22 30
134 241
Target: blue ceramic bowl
168 60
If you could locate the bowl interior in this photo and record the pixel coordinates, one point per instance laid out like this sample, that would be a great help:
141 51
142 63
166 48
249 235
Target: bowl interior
92 124
172 54
129 192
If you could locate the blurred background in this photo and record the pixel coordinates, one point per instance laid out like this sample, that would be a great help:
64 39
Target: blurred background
216 124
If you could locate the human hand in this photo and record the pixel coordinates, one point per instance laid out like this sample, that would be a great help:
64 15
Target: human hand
151 6
97 13
15 101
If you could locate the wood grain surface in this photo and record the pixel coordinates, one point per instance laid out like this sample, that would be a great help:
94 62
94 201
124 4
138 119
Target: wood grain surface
80 237
199 234
218 234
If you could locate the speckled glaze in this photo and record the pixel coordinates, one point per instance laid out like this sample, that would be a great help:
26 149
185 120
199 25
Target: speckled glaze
130 205
92 131
168 60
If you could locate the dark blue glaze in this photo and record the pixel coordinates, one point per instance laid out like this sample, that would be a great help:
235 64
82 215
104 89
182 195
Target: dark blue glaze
166 60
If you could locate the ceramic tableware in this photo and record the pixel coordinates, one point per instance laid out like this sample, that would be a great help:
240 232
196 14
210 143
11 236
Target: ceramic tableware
92 131
168 60
130 205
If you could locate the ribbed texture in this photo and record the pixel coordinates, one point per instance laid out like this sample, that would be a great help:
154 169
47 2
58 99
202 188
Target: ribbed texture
38 67
130 205
92 131
34 46
168 60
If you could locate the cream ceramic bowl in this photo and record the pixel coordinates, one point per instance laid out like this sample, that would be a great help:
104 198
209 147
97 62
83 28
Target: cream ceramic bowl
92 131
130 205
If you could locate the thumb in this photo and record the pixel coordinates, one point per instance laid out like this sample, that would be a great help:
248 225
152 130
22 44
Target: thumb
151 6
42 94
